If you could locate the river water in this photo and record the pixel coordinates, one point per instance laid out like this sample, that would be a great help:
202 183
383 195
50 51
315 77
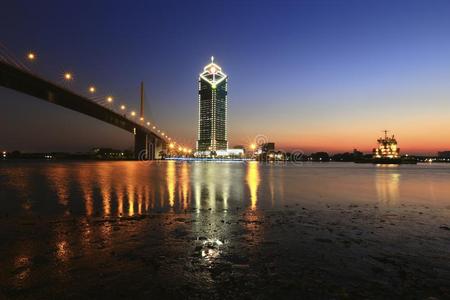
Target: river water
203 230
131 188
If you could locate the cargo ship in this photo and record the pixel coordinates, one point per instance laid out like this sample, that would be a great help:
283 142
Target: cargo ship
388 152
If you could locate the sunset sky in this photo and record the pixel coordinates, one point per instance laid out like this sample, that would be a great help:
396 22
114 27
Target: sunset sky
308 75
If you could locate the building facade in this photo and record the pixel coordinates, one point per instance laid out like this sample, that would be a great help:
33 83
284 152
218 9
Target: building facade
212 109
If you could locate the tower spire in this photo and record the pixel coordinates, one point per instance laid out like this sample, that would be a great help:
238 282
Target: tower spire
212 59
142 99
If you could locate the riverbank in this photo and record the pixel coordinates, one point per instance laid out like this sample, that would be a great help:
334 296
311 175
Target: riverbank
334 251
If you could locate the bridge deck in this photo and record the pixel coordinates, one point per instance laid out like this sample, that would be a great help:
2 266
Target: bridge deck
25 82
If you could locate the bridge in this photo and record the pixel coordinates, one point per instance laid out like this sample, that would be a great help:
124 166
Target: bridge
149 142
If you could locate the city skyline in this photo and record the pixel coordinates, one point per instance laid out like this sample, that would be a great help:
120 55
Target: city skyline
322 77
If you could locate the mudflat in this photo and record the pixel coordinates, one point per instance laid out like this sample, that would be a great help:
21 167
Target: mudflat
317 252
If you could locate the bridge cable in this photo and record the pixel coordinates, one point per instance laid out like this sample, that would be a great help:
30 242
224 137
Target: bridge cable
12 59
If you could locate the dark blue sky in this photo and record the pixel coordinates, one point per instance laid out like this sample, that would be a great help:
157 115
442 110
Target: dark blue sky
309 75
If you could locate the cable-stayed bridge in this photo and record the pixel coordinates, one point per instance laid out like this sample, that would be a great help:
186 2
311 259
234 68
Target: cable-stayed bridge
150 142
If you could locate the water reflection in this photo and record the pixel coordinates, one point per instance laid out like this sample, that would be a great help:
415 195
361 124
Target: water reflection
58 178
211 249
85 183
130 188
23 264
62 250
18 180
120 196
388 186
171 179
210 188
253 182
104 180
226 187
184 179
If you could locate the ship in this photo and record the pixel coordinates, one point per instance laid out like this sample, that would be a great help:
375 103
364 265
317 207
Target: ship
388 152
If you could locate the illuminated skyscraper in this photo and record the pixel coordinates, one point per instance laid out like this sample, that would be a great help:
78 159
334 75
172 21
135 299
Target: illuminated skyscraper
212 109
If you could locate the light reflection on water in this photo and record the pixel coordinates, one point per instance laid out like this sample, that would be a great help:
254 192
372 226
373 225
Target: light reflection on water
253 182
171 182
388 187
130 188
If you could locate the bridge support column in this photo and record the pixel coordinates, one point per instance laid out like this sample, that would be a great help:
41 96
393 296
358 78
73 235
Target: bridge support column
151 148
141 149
148 147
158 149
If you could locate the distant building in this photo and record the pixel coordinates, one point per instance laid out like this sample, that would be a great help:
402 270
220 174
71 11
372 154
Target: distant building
267 147
108 153
212 109
239 147
347 156
266 151
444 154
320 156
235 153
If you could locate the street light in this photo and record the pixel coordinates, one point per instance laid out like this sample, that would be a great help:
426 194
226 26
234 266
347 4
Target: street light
68 76
133 113
148 123
92 89
31 56
109 99
122 107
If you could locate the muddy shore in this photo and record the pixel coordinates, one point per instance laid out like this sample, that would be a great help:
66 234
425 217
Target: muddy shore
329 252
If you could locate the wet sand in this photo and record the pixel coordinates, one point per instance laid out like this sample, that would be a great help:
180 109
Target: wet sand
326 252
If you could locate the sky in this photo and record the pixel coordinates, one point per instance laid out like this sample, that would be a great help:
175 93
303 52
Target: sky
307 75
